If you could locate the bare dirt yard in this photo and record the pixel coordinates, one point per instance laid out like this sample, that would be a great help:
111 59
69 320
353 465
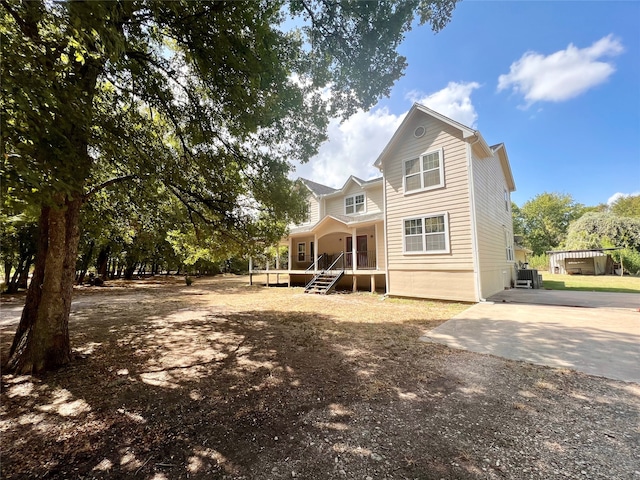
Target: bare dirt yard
221 380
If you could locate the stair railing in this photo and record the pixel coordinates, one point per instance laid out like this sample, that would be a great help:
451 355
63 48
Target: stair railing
330 268
340 257
308 272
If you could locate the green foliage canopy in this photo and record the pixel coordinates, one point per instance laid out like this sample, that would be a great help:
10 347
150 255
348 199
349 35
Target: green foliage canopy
603 230
626 206
215 100
544 220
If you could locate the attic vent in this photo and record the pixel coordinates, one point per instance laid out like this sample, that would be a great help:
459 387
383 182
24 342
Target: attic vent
419 132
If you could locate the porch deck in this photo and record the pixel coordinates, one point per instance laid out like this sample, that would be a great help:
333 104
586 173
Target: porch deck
374 278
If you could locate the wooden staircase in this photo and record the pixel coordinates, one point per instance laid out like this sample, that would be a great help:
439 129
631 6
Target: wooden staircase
323 282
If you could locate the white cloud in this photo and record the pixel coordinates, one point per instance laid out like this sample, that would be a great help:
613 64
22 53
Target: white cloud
354 145
453 101
352 148
616 196
561 75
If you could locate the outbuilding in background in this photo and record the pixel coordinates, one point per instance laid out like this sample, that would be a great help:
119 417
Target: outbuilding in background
582 262
521 253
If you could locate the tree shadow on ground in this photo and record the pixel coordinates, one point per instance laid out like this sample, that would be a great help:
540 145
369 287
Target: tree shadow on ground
265 394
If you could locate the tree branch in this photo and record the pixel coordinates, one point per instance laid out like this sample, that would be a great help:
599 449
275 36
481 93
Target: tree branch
106 184
28 29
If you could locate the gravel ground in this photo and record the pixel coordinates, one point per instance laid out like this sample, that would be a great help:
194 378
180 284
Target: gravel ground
223 380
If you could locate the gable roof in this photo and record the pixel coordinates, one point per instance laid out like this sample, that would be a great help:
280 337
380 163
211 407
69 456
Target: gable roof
466 132
347 220
317 188
320 190
418 109
358 181
501 151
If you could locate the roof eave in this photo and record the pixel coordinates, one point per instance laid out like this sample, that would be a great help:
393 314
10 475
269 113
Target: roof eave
506 167
466 131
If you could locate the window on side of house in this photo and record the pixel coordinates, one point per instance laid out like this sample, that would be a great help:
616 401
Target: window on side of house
429 234
424 173
354 204
508 239
302 250
506 200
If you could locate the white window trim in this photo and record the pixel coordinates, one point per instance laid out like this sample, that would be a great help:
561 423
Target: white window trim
425 252
298 252
423 188
364 203
508 240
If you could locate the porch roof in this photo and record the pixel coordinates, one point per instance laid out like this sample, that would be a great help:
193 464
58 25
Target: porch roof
346 220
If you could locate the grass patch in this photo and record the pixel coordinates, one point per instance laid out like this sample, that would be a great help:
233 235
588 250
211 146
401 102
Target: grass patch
592 283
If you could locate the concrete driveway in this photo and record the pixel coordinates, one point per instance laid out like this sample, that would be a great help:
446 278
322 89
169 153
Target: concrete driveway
592 332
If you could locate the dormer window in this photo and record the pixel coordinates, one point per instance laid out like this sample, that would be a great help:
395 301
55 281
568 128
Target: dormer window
424 173
354 204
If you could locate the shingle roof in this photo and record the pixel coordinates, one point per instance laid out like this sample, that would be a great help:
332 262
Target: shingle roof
318 188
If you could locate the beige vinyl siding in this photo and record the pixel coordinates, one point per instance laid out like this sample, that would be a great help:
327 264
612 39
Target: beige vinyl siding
334 205
373 199
493 225
296 265
375 202
314 216
444 285
453 198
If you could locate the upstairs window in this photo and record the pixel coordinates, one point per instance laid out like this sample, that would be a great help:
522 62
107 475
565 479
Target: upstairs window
424 173
354 204
426 234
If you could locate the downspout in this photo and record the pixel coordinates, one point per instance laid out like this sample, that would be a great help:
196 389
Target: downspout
474 235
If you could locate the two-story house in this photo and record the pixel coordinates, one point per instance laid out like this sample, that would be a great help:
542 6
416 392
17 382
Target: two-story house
437 224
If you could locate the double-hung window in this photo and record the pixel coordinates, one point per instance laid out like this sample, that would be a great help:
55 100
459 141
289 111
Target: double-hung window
302 250
354 204
508 240
429 234
424 173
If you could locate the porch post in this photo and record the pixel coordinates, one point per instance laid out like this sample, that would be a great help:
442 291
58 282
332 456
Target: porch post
354 250
277 264
268 260
250 270
315 253
290 265
373 283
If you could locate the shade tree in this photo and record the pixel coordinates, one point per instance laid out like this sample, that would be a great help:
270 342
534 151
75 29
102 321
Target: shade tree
213 100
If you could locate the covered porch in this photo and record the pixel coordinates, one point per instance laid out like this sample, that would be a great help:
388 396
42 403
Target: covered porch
334 243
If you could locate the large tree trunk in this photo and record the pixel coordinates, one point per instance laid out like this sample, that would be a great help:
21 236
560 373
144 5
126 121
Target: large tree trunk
7 273
84 264
102 262
42 339
23 279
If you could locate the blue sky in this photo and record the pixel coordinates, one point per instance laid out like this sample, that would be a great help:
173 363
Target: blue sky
557 82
